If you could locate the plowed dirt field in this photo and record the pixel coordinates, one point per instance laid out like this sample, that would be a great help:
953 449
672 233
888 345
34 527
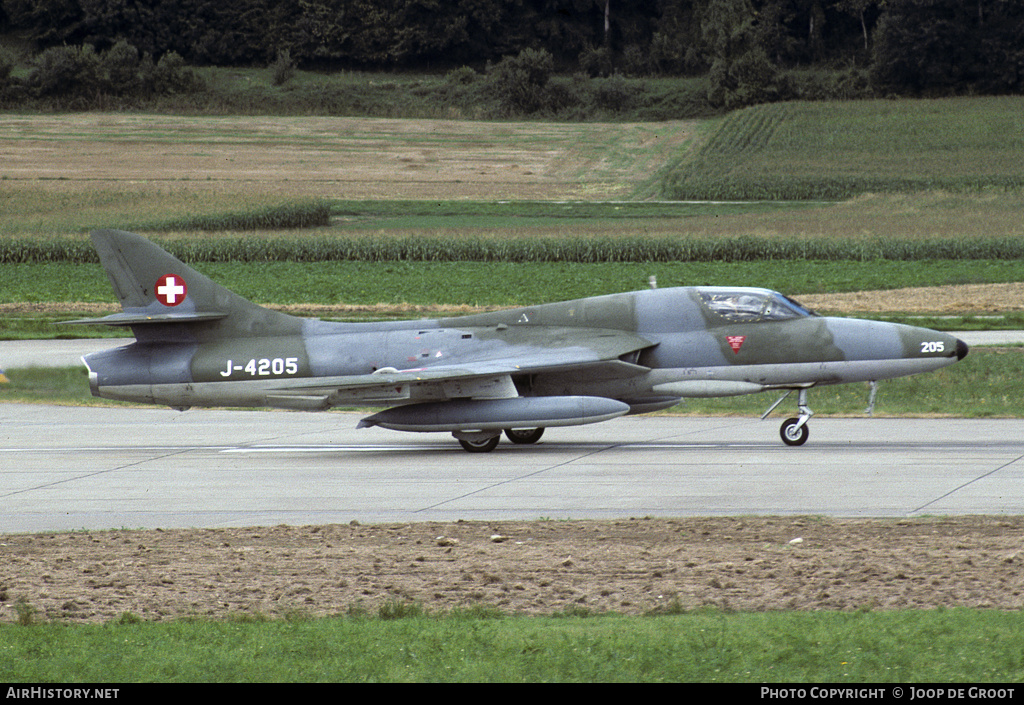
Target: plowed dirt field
630 566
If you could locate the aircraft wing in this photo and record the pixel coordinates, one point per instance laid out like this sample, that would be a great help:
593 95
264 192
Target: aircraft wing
479 378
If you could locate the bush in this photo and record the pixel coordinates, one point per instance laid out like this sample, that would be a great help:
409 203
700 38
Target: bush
615 93
172 75
66 71
10 88
518 82
7 62
570 98
749 79
462 76
849 84
283 69
637 61
120 67
597 62
78 77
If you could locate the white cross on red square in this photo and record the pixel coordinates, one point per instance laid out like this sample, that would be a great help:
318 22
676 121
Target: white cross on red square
170 290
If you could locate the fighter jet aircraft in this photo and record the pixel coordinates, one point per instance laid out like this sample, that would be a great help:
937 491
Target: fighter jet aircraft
518 371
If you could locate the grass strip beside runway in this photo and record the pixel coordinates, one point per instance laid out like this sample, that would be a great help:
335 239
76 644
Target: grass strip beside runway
403 644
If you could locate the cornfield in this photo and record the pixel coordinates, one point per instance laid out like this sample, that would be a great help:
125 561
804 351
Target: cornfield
832 151
325 248
291 215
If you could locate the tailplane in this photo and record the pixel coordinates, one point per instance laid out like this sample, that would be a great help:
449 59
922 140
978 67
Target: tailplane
161 297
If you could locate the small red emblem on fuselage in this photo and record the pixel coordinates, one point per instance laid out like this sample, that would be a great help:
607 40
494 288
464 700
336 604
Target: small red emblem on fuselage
735 342
170 290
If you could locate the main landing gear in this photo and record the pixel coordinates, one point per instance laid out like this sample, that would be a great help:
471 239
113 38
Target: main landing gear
524 435
479 445
483 442
794 432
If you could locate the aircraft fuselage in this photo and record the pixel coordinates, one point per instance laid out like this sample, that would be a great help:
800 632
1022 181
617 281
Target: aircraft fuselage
694 351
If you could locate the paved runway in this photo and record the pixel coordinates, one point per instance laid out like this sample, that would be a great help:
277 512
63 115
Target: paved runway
53 353
67 468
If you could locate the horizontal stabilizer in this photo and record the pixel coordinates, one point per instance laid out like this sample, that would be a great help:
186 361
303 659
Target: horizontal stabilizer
128 318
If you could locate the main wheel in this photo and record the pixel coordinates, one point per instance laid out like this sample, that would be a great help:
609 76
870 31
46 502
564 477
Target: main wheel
792 434
525 435
484 446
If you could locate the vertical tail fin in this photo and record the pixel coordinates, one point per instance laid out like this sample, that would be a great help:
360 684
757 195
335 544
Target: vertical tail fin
160 295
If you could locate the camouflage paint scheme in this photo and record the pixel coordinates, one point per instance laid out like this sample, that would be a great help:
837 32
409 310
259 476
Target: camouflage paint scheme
518 370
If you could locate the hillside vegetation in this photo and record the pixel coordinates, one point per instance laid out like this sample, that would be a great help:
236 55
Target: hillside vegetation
502 54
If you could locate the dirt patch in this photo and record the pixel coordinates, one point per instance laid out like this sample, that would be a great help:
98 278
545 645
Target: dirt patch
353 158
629 566
961 299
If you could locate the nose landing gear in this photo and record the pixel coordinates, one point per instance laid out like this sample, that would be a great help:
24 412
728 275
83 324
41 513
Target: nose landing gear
794 431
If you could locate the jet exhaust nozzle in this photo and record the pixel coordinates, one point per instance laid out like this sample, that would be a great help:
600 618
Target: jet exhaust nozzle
497 414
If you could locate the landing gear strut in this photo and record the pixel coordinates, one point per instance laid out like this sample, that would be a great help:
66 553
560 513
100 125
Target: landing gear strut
794 432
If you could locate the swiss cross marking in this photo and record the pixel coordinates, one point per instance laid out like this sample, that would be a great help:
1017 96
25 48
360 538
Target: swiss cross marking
170 290
735 342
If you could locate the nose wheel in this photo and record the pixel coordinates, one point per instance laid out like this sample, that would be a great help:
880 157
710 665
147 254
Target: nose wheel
794 431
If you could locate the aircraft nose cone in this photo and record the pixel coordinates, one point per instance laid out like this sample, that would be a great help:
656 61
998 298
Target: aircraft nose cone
961 349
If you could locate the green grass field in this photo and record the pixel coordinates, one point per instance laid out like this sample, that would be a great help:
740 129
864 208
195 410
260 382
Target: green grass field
937 646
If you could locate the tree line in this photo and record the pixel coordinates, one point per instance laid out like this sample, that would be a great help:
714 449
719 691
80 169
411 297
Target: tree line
904 47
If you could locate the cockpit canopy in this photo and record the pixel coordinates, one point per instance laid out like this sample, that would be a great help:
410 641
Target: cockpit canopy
750 305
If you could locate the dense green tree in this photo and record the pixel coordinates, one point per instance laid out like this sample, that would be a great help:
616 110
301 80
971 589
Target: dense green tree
676 44
741 72
1000 46
921 46
48 21
937 47
442 32
916 46
864 12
